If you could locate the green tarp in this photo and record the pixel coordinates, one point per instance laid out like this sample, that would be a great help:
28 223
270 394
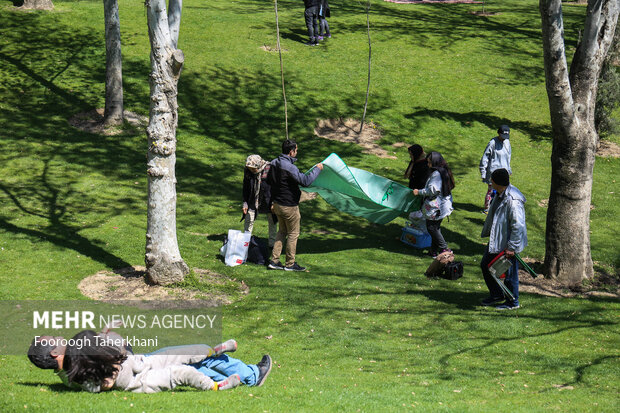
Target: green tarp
361 193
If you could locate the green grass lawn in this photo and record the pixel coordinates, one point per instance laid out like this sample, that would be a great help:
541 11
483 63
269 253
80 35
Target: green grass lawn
364 330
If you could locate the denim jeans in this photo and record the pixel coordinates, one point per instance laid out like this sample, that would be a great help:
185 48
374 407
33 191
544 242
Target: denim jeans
220 367
511 281
323 27
311 14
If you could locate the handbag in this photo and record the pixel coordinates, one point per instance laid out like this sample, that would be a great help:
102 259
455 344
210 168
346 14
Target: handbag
235 248
453 270
438 265
257 252
498 268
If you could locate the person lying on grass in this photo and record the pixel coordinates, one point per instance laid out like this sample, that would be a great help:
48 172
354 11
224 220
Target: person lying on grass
48 352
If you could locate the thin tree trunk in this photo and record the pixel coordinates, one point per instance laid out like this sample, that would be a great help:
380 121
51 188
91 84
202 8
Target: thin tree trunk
572 97
281 70
113 113
369 61
163 258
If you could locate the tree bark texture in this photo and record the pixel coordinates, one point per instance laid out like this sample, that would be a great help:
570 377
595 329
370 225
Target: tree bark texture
572 99
113 114
38 4
163 258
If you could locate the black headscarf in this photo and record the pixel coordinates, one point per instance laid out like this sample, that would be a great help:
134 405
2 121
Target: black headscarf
438 163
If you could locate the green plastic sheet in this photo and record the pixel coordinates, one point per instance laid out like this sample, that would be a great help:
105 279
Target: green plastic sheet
361 193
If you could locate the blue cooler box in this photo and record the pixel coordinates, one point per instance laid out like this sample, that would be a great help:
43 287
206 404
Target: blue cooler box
415 237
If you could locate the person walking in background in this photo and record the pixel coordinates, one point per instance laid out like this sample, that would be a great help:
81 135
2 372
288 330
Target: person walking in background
505 227
496 155
285 179
311 15
417 171
257 195
437 204
324 12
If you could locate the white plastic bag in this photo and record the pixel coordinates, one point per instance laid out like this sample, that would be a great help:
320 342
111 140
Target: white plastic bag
235 251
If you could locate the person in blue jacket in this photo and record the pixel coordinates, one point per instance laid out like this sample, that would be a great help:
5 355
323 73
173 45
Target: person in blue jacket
505 227
285 179
496 155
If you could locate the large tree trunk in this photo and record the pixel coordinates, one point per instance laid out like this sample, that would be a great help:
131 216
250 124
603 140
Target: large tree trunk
113 114
163 259
572 98
38 4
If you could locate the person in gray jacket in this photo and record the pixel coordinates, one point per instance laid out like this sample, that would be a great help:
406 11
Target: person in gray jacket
496 155
506 229
437 200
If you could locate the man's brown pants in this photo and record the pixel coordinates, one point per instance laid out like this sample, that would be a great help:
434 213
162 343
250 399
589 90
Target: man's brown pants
289 220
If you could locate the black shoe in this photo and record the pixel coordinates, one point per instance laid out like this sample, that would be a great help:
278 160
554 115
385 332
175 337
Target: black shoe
275 265
491 301
264 368
295 267
508 305
311 43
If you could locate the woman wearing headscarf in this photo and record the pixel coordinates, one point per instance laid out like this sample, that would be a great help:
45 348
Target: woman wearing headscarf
417 171
257 195
437 195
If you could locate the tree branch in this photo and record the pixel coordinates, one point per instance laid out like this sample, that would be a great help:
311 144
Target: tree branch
174 20
556 69
600 25
158 25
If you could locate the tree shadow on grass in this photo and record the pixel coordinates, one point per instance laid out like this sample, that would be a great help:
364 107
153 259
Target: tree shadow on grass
460 299
53 211
447 27
295 35
466 246
56 73
494 341
534 132
460 206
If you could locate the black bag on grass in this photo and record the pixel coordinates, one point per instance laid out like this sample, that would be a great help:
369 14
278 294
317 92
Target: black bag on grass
257 251
453 270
